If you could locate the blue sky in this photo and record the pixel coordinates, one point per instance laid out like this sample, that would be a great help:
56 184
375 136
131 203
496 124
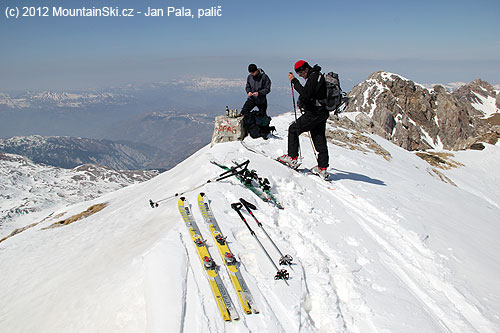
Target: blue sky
426 41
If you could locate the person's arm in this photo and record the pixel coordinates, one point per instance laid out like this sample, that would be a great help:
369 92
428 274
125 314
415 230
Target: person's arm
266 85
309 89
248 87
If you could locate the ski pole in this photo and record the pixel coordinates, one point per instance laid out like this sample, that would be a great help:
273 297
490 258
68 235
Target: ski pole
229 173
234 170
295 112
293 100
281 274
314 149
284 259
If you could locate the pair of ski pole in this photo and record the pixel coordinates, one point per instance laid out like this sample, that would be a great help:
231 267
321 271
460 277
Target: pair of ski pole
281 274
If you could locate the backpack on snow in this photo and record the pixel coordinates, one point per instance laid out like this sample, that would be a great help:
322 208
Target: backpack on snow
257 125
334 93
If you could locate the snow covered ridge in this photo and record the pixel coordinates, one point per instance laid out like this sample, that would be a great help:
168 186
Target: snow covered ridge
452 86
28 188
417 118
384 247
61 99
209 84
202 83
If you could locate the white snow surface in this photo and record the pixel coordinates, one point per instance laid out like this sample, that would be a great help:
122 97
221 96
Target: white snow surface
487 105
448 86
28 189
383 247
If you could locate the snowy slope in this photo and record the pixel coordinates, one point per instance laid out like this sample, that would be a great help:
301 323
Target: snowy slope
28 188
487 105
384 247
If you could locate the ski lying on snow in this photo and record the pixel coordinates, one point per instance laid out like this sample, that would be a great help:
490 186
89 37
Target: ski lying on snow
219 291
302 171
265 195
227 256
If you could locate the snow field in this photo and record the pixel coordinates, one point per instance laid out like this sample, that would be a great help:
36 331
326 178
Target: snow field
383 247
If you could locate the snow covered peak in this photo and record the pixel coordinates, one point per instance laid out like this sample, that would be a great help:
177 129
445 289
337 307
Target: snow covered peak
386 76
482 96
385 246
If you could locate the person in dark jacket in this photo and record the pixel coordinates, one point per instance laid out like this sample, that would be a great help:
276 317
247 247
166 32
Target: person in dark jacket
258 86
313 118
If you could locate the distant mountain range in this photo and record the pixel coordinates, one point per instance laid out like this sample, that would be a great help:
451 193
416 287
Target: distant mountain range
174 117
156 125
70 152
193 94
46 99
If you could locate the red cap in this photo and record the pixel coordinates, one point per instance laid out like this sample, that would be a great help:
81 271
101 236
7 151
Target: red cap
301 65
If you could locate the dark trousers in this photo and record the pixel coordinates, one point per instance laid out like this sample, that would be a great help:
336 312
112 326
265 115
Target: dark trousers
250 104
316 124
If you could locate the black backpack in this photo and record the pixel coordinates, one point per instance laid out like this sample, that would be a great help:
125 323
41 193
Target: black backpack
257 125
334 93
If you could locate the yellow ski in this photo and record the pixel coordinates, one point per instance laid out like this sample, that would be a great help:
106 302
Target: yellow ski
227 256
219 291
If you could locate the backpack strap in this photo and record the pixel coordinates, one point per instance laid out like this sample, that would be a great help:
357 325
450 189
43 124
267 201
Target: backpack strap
320 102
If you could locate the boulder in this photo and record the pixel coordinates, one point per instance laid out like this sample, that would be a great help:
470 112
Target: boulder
228 129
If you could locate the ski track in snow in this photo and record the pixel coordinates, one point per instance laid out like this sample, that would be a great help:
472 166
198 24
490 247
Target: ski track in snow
197 291
417 267
321 285
404 255
269 300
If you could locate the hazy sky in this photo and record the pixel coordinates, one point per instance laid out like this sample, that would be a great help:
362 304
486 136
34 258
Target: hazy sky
426 41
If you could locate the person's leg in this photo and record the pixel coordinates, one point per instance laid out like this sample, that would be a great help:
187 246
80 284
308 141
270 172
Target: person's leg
262 109
248 106
293 140
303 124
320 144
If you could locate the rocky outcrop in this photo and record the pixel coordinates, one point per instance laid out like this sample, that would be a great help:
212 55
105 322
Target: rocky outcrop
417 118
